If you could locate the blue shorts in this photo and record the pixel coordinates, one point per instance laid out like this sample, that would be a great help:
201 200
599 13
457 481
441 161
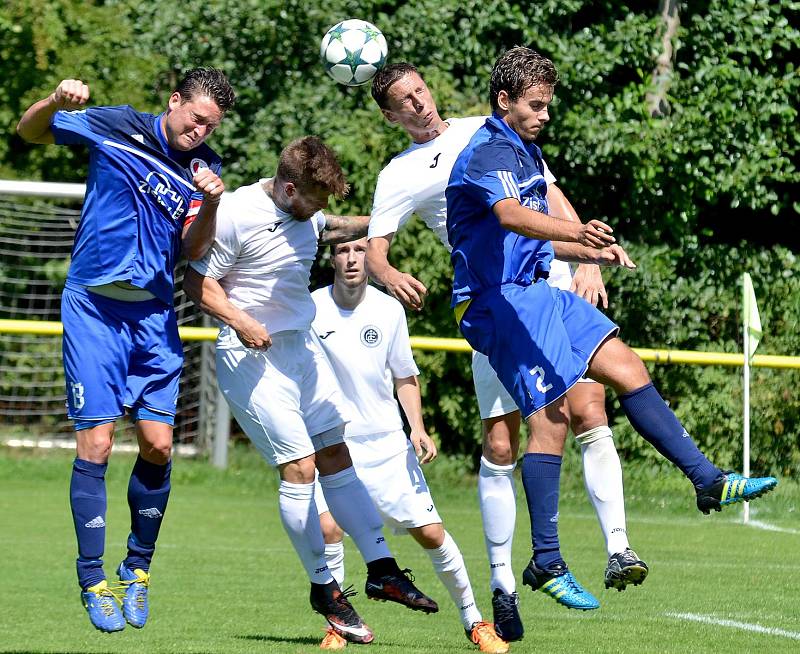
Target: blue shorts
538 339
119 354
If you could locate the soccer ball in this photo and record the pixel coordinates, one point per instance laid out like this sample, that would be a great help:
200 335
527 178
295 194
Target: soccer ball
353 51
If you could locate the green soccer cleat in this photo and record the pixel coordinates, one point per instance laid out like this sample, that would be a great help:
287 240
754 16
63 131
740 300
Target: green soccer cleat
731 488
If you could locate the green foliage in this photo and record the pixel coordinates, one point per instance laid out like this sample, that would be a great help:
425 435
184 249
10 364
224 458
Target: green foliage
720 165
690 299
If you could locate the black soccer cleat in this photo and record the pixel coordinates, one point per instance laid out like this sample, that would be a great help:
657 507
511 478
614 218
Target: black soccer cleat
401 589
332 603
625 568
507 622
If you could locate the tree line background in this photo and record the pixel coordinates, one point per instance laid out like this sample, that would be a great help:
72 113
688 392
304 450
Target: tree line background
673 121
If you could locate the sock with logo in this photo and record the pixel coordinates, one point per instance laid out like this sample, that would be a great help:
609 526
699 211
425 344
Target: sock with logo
148 493
449 566
87 499
334 556
352 508
301 522
540 476
497 499
658 425
602 474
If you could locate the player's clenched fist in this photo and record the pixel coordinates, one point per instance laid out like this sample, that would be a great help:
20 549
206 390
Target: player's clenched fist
209 184
71 94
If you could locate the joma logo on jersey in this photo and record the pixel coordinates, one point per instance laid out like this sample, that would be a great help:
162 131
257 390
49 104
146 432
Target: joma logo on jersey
159 188
371 336
538 373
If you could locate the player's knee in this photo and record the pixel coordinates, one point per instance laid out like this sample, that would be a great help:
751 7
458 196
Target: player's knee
333 459
301 471
588 416
430 536
331 532
158 452
95 444
499 447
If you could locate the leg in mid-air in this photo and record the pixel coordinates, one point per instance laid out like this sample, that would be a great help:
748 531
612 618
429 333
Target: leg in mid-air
148 494
541 474
87 496
616 365
602 475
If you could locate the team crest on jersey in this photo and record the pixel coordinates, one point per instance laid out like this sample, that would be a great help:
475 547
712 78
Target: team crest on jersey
371 336
197 165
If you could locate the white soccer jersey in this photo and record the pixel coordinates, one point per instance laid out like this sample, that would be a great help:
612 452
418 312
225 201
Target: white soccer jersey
415 181
368 348
262 258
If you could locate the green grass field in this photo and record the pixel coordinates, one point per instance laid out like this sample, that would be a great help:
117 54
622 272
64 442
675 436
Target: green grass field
226 579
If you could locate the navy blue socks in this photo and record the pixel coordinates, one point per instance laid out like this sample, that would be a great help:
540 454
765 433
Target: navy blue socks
658 425
540 477
87 499
148 493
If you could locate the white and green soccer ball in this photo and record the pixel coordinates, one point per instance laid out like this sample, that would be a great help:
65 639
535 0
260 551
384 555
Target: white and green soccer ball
353 51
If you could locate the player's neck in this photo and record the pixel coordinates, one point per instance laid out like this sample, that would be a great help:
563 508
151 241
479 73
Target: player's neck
348 298
269 188
426 135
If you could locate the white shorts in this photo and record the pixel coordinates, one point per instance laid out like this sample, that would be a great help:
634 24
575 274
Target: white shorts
493 399
286 399
394 482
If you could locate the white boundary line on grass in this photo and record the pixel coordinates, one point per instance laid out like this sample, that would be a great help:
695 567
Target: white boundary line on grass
733 624
768 527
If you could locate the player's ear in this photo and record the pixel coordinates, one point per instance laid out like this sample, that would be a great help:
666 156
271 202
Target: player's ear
389 116
503 101
289 189
175 101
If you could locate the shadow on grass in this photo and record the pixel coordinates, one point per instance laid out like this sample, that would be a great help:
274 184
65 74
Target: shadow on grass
269 638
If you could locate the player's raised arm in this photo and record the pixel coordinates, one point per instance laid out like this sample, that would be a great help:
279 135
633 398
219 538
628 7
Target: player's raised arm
341 229
207 294
198 234
34 126
405 288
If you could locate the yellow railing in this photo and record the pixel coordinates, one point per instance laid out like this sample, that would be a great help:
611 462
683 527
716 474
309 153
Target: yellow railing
52 328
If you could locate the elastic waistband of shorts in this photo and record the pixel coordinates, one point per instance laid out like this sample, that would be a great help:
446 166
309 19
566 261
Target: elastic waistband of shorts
113 291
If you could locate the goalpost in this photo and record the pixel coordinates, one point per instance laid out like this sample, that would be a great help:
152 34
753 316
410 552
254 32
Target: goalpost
37 228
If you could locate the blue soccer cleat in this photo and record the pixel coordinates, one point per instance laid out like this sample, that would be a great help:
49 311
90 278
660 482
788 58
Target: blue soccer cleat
134 584
559 583
102 605
732 488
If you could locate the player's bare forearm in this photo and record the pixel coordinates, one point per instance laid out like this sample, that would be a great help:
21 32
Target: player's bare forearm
207 293
198 236
405 288
534 224
410 398
341 229
34 126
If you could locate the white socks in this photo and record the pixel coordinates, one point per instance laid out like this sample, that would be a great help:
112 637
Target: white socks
301 522
449 566
351 507
334 555
497 497
602 474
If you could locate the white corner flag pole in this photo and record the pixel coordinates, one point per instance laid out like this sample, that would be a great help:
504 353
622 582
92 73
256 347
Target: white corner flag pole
751 335
746 387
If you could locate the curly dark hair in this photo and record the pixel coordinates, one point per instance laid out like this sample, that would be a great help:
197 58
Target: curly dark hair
517 70
207 81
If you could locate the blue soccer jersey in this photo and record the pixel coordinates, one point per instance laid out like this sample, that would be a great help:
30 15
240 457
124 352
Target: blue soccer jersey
495 165
138 195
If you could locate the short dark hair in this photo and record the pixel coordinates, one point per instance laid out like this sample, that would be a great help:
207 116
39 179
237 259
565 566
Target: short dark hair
307 162
207 81
517 70
387 76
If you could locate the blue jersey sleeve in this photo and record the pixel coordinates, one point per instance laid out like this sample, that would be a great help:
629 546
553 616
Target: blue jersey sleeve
72 127
491 173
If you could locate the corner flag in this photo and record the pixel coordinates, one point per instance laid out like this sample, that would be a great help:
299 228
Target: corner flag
752 321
